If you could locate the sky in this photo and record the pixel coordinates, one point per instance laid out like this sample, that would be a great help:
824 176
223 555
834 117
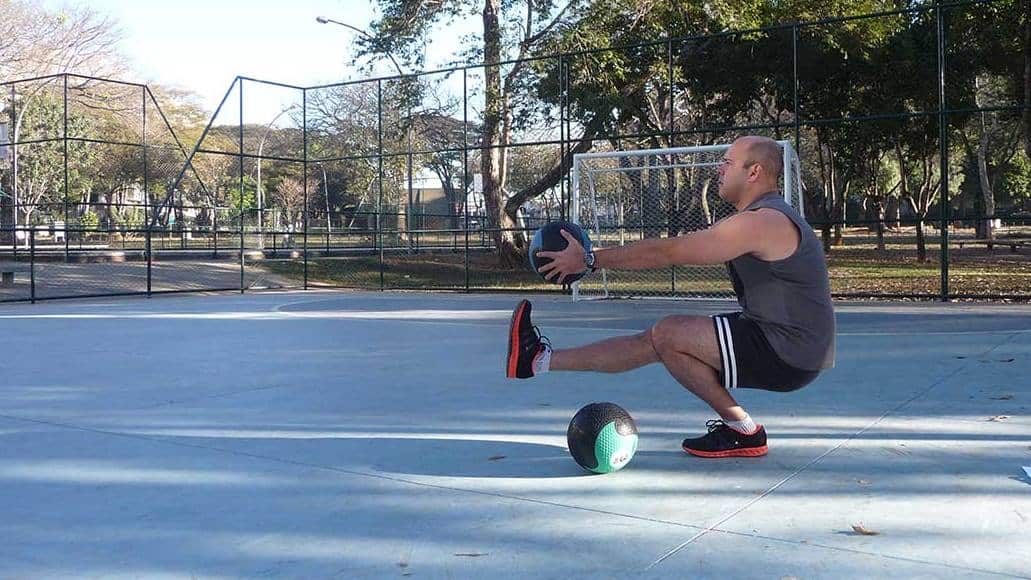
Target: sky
202 45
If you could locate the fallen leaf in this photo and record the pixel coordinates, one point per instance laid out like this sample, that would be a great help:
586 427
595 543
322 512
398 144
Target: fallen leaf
863 481
496 457
1001 398
472 554
1006 360
859 529
543 404
402 564
961 357
999 418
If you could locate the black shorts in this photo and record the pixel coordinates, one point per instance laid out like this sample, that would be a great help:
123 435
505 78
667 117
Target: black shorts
749 361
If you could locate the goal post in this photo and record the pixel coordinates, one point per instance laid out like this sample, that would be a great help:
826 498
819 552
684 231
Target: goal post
621 197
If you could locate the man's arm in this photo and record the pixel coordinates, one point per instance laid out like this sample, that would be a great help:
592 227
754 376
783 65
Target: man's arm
722 242
727 239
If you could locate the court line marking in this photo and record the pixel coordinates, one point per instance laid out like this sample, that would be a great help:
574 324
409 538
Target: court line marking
490 317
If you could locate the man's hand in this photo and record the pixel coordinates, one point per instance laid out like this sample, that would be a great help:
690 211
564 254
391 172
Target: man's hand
564 263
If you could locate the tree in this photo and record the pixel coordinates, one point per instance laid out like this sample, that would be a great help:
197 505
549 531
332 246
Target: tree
988 69
288 194
40 180
510 29
35 42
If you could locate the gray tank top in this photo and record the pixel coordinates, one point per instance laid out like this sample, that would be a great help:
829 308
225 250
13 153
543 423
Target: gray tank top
789 299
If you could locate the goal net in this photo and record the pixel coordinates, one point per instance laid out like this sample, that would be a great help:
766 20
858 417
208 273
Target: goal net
621 197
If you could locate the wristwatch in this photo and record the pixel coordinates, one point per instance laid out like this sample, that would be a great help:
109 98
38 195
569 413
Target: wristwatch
589 259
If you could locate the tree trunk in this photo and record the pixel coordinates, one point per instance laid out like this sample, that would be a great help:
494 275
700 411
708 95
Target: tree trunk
877 211
554 175
6 212
651 202
903 191
491 164
921 241
704 197
840 212
826 204
985 230
894 213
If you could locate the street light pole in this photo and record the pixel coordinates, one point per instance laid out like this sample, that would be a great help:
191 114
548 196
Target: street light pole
324 20
409 130
325 191
261 196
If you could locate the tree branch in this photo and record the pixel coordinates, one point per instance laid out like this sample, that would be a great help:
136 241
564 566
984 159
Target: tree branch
554 174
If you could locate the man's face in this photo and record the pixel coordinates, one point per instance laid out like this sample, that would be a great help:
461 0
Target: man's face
733 174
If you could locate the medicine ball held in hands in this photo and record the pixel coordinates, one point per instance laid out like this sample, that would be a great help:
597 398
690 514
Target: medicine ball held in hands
549 239
602 437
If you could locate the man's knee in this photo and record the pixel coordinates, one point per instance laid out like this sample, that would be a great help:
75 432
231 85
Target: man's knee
679 333
663 335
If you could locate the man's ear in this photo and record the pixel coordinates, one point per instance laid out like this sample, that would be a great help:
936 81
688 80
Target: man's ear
755 172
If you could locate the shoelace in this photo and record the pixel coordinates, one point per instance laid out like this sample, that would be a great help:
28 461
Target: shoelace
540 337
714 424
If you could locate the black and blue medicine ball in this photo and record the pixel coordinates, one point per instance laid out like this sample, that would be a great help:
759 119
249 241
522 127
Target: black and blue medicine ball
549 239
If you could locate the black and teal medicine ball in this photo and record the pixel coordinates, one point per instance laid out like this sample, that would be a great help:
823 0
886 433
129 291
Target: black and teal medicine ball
549 239
602 437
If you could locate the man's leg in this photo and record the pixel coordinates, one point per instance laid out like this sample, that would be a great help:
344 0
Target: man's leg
686 345
688 348
529 353
612 355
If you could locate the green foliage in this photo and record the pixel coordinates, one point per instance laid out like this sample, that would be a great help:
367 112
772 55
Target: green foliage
130 218
89 220
1016 179
233 199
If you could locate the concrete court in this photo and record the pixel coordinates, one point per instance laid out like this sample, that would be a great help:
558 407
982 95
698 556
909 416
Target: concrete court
372 435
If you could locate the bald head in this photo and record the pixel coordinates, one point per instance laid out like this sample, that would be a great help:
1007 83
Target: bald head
764 151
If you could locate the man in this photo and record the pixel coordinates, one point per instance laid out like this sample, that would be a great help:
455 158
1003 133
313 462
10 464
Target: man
780 341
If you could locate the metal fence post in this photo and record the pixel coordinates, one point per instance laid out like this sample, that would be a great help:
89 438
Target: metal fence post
150 259
465 168
943 138
798 116
379 180
240 221
304 180
32 263
67 193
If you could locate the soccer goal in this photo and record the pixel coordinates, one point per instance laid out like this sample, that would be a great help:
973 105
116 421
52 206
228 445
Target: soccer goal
621 197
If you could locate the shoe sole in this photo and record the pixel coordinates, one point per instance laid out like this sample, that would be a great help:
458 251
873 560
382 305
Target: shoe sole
513 340
745 452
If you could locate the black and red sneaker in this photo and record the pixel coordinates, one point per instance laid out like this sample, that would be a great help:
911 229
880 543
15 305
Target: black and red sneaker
722 440
525 343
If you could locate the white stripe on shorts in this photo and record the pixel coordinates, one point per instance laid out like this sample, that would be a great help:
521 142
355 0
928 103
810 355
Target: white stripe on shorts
726 342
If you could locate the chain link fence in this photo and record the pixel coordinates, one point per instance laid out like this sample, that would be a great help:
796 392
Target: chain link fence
916 181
